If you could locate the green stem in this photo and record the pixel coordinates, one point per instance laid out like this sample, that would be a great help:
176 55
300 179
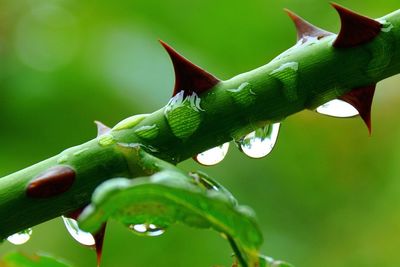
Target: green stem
304 77
237 252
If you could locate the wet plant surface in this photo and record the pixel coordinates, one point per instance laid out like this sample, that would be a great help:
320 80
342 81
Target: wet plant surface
130 168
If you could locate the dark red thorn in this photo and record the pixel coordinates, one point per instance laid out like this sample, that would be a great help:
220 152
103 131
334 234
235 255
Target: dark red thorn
306 29
99 238
52 182
102 128
361 99
356 29
189 77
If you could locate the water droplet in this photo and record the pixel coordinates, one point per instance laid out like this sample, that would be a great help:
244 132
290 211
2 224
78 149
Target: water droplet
147 229
106 139
213 156
79 235
184 114
147 131
288 76
289 65
21 237
243 95
130 122
386 26
337 108
260 143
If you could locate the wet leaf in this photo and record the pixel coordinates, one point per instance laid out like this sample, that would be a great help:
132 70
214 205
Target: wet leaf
169 197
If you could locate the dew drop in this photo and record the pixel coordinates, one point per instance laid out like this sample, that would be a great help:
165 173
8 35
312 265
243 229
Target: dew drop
337 108
184 114
79 235
21 237
106 139
260 143
147 229
130 122
213 156
147 131
386 26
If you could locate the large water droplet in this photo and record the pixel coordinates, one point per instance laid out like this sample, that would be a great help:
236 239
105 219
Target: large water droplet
213 156
260 143
184 114
337 108
79 235
21 237
147 229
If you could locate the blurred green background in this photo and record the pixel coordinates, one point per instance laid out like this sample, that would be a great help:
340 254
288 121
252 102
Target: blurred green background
328 195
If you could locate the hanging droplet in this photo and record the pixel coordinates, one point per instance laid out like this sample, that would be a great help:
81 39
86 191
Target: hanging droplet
260 143
337 108
213 156
147 229
21 237
79 235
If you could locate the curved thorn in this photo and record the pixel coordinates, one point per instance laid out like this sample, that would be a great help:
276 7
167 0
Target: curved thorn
304 28
355 29
101 128
361 99
189 77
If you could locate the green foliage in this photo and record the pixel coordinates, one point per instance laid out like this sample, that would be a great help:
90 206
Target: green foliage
17 259
343 208
169 197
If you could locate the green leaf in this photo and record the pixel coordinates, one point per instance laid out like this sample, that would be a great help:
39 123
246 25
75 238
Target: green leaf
169 197
18 259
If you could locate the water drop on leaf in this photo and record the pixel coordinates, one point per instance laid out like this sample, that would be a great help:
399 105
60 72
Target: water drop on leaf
337 108
213 156
79 235
260 143
106 140
21 237
147 229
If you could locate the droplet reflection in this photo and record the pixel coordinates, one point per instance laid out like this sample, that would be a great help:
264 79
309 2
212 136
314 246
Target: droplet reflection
147 229
337 108
260 143
213 156
79 235
21 237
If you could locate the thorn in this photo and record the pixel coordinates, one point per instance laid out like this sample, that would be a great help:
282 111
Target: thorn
99 238
101 128
306 29
361 99
356 29
189 77
52 182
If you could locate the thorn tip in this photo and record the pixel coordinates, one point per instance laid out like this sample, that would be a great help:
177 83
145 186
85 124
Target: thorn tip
361 99
101 128
356 29
188 76
304 28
